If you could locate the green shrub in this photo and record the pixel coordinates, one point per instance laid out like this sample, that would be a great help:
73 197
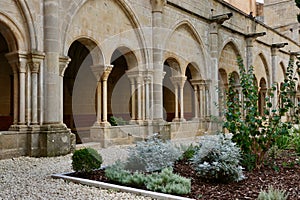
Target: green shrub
272 194
189 152
117 121
283 141
295 140
217 160
86 160
168 182
152 155
165 181
256 132
117 173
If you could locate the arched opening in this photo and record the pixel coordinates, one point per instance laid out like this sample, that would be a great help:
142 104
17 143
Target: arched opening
171 69
262 96
6 88
119 96
222 89
78 97
193 83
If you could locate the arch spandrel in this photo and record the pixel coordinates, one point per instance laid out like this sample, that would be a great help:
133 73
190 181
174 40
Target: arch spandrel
190 48
261 69
123 29
228 57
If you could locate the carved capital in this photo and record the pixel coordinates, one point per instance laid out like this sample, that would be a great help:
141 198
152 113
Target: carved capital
106 72
63 64
158 5
17 60
34 67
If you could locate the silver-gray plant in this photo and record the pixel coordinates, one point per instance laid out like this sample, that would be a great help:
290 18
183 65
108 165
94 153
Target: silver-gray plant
272 194
152 155
218 159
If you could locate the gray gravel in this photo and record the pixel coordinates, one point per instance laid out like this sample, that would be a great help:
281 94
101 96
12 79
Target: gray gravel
30 178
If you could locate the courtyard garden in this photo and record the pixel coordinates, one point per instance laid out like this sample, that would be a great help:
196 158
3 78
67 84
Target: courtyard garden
254 156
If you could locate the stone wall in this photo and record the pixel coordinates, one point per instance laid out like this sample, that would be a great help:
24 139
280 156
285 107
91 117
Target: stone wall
187 44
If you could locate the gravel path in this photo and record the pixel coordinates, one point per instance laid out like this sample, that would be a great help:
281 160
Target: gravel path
30 178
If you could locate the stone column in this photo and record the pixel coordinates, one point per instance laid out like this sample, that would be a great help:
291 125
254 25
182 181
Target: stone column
214 52
274 80
202 100
22 81
16 95
34 92
52 49
182 82
157 15
35 60
132 86
178 83
147 81
249 46
176 102
196 103
105 76
63 64
98 70
139 98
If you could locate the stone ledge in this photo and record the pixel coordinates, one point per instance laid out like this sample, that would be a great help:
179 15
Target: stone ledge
99 184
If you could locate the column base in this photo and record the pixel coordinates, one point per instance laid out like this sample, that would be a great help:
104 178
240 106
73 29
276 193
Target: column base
54 140
105 124
19 128
178 120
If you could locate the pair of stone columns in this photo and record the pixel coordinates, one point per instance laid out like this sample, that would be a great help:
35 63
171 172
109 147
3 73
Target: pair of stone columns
140 86
178 82
27 87
102 77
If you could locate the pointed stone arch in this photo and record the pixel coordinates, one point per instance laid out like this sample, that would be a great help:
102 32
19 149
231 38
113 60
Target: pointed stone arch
75 6
195 53
261 69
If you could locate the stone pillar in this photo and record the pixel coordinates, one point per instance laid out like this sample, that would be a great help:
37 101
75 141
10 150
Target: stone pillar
63 64
178 83
182 82
35 60
176 102
139 98
157 15
132 86
202 100
147 81
98 70
105 76
18 61
249 52
52 49
274 80
196 103
214 49
16 95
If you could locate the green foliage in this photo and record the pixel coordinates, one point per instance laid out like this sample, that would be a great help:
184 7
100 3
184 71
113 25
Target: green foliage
165 181
272 194
218 159
255 134
295 140
152 155
118 174
189 152
168 182
117 121
283 141
86 160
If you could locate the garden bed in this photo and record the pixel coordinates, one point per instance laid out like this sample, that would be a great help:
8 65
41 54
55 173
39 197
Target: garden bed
282 173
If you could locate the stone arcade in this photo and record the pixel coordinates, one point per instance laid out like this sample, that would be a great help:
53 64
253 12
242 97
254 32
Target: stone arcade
68 66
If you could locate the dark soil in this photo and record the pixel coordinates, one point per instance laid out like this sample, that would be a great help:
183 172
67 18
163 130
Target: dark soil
282 173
